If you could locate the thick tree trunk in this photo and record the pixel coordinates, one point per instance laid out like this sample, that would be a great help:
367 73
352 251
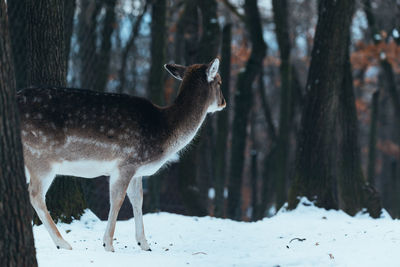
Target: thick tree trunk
156 81
243 102
18 32
223 123
46 48
315 167
280 8
16 239
350 178
47 66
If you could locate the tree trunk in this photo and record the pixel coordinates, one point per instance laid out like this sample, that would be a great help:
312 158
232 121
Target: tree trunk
386 78
87 23
16 239
350 178
46 48
268 184
187 43
254 169
187 179
69 12
223 123
282 32
372 138
243 102
156 81
128 47
47 66
18 33
104 55
208 50
315 163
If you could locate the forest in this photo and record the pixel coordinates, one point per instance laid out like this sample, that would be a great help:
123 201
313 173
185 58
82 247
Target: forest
312 92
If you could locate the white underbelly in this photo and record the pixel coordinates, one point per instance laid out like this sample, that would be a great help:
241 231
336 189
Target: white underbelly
152 167
86 168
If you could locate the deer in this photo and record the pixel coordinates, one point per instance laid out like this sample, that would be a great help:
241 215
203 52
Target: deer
84 133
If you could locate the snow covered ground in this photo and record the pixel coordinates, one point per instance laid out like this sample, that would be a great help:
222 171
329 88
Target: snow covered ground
330 238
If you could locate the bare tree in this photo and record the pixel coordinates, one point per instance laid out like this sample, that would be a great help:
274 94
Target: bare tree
223 122
280 8
243 102
156 79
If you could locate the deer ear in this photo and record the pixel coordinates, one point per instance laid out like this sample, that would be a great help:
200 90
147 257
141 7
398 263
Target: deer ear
212 69
177 71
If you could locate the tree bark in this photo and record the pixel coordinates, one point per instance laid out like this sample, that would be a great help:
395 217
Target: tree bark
156 81
46 48
47 66
17 15
315 163
16 239
243 102
350 178
223 123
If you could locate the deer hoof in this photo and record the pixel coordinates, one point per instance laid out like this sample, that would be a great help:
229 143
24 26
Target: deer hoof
144 246
63 244
108 247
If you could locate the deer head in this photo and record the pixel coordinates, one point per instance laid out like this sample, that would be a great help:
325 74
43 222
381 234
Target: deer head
202 81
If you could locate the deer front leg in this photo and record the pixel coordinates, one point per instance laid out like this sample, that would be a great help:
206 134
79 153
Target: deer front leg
135 194
37 192
118 186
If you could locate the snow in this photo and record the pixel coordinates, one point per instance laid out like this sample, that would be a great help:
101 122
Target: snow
331 238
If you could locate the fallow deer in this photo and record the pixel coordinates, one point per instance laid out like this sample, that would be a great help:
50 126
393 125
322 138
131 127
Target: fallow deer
88 134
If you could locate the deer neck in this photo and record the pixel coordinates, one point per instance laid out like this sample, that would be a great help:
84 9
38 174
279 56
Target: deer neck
185 117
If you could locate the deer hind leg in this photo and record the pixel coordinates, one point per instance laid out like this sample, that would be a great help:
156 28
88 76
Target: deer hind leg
135 194
37 192
118 187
